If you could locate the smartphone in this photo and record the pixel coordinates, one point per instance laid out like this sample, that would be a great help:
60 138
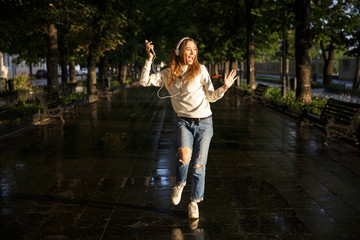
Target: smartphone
151 50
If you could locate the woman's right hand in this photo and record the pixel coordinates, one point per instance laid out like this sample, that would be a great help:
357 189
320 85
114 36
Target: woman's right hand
149 47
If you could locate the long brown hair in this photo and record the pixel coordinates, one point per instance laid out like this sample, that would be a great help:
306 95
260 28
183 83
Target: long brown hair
176 62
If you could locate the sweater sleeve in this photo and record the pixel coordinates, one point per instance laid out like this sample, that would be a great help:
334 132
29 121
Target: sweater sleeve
156 79
211 94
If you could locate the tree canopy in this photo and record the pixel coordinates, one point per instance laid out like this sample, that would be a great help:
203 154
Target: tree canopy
89 30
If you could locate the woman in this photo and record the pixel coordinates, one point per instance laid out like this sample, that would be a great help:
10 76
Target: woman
191 91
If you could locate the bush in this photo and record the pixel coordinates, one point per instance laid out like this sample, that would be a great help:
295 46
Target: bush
72 97
20 110
2 85
314 107
22 82
115 84
317 103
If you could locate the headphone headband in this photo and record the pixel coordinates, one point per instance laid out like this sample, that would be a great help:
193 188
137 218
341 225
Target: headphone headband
177 50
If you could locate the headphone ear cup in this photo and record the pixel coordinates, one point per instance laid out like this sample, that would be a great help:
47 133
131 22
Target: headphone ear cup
177 50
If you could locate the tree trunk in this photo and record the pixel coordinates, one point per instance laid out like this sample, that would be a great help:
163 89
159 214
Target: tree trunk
123 71
103 71
234 65
284 73
329 56
72 71
250 41
227 68
31 70
91 83
64 73
210 69
136 70
250 59
287 73
302 50
52 59
241 81
119 73
356 82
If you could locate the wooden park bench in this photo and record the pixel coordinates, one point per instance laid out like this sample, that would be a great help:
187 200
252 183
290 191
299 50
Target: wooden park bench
106 93
104 90
259 93
53 106
337 118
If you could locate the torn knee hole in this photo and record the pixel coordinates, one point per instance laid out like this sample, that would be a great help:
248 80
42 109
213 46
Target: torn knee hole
185 154
198 166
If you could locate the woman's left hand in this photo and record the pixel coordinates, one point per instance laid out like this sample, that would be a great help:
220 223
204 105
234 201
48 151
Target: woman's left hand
229 80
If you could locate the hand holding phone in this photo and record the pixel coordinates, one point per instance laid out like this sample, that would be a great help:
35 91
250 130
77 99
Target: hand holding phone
151 47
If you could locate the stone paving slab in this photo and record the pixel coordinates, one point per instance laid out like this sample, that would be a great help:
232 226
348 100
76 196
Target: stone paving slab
108 174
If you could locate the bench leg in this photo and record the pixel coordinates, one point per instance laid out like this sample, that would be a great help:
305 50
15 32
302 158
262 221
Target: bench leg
357 143
62 119
43 117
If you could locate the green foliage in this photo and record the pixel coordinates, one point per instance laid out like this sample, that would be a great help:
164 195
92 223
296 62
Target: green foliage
24 109
316 105
115 84
274 94
120 27
2 85
290 100
72 97
22 82
20 110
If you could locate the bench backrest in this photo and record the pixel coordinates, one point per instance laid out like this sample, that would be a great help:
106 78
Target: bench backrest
51 100
344 113
260 89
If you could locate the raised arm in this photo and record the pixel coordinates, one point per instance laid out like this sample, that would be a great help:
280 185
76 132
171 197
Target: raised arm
147 79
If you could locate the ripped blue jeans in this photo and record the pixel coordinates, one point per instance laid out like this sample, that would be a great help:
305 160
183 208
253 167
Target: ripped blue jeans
197 136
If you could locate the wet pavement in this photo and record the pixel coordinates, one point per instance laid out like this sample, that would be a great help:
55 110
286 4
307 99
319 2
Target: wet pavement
108 174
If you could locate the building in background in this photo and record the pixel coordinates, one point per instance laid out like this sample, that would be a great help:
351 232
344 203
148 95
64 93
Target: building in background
9 69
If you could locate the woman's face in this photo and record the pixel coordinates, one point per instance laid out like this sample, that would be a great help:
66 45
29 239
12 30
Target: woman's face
190 52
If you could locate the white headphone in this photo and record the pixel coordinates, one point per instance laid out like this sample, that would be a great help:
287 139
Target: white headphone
177 50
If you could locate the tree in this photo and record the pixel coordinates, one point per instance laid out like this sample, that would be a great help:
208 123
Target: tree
19 37
329 19
351 36
302 49
95 30
275 22
37 36
248 9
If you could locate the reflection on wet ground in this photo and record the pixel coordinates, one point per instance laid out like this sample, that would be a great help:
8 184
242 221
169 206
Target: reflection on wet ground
108 174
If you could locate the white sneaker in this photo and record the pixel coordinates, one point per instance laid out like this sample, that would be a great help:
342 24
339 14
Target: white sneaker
177 234
193 210
193 224
176 194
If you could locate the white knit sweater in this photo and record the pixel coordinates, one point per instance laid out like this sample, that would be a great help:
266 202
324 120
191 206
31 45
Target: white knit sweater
190 98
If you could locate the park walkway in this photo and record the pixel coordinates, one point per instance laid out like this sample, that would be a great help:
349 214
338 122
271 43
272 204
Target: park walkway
108 174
